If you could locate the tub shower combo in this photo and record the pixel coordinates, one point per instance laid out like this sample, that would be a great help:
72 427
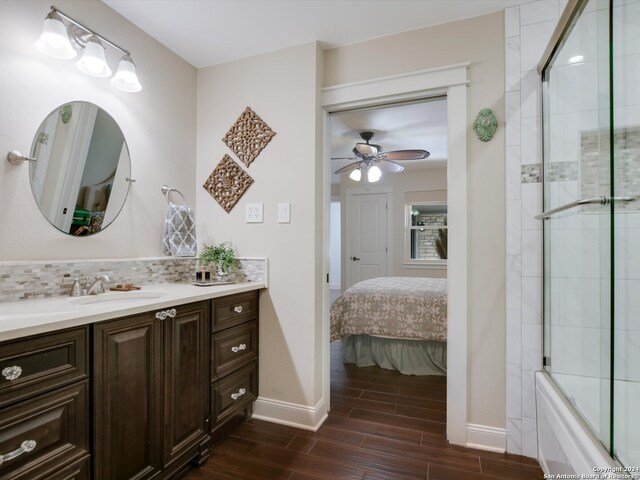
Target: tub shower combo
588 394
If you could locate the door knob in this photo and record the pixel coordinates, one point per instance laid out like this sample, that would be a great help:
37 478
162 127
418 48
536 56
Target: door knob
355 259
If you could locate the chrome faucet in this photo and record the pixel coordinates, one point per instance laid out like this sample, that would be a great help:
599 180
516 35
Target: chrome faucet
97 287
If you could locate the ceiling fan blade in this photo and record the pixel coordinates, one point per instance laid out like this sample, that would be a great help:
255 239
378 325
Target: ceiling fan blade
349 168
405 155
389 166
343 158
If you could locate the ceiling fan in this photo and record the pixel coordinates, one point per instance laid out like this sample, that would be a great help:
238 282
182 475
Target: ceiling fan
372 160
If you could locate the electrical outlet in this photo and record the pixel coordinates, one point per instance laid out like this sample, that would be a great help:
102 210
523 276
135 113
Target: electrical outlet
253 213
284 213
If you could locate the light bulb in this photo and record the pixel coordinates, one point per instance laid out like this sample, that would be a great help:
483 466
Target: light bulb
356 175
125 78
374 174
54 40
93 61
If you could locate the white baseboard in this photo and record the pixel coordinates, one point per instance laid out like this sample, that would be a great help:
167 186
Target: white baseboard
291 414
486 438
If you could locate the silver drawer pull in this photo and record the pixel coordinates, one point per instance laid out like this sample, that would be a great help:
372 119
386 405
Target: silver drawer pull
238 348
25 447
241 392
11 373
238 309
161 315
172 313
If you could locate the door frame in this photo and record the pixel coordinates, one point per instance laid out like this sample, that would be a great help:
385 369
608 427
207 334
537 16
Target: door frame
452 82
349 193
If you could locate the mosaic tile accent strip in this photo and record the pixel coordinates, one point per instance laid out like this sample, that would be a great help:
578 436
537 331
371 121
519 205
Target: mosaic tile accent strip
24 280
227 183
531 173
248 136
595 168
563 171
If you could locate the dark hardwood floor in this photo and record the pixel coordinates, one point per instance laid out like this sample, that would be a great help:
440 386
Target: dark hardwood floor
382 426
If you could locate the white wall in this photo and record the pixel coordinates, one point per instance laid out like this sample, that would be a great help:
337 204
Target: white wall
480 41
158 124
283 89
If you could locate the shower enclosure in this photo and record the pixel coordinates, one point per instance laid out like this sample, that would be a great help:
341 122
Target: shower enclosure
591 183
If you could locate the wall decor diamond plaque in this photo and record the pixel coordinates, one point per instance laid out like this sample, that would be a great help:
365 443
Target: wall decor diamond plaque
248 136
227 183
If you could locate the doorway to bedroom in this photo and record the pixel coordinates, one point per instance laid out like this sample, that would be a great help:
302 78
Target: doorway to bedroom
388 237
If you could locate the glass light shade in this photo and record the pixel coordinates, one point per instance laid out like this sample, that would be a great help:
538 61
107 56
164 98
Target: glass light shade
125 78
93 61
54 40
374 174
356 175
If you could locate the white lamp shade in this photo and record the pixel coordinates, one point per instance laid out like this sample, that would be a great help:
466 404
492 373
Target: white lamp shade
54 40
356 175
374 174
126 78
93 61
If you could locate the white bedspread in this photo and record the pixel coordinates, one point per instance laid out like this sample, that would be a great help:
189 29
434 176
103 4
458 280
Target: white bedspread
402 307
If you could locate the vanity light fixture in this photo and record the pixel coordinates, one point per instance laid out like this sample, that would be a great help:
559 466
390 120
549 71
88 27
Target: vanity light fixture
57 40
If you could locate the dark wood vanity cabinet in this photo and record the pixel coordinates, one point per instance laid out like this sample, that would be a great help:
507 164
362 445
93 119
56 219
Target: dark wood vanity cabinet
234 361
44 407
155 391
151 412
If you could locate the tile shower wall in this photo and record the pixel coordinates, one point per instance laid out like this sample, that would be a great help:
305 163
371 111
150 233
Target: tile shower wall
528 28
24 280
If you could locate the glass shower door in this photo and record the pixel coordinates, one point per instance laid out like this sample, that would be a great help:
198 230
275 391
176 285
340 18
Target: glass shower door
577 234
626 183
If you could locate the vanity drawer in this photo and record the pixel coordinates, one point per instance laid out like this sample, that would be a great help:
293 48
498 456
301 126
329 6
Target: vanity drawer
233 348
233 393
234 310
44 434
37 364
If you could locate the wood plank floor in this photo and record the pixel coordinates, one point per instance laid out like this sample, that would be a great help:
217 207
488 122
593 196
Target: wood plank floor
382 426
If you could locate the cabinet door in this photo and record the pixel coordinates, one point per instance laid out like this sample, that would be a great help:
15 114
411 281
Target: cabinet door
128 398
186 410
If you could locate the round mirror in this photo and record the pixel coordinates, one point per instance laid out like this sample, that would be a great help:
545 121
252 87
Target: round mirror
80 176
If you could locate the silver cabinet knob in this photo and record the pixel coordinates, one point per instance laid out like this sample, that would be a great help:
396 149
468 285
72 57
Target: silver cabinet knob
238 348
240 393
11 373
161 315
25 447
172 313
238 309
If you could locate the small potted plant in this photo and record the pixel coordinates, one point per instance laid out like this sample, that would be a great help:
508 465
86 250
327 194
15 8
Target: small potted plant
223 256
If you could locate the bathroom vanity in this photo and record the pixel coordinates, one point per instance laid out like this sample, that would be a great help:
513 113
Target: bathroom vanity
125 385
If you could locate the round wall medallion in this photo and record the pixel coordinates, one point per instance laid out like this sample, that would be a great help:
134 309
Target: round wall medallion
485 124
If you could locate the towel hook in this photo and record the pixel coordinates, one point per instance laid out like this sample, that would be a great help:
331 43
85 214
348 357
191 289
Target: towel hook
166 190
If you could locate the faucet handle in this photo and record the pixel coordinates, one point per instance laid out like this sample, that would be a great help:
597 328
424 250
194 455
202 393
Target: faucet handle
76 289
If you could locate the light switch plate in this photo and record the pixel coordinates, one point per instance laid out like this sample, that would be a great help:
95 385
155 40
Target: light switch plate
253 213
284 212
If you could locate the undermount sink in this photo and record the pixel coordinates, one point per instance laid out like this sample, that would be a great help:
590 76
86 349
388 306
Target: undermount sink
119 297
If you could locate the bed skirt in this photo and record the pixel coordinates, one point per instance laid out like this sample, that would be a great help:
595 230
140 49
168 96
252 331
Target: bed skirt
410 357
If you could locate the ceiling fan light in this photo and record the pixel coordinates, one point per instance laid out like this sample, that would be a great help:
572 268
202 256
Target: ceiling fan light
366 150
374 174
356 175
125 77
93 61
54 40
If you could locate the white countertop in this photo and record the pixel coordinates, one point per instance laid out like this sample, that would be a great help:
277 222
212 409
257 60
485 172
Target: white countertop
30 317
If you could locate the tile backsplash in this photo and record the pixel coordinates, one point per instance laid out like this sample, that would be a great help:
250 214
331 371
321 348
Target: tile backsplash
23 280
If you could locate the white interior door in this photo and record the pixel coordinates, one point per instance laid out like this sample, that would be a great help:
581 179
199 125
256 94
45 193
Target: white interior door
368 247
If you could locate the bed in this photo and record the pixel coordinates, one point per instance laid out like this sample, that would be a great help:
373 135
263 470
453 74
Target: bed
397 323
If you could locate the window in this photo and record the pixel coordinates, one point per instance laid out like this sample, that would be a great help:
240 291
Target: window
426 233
